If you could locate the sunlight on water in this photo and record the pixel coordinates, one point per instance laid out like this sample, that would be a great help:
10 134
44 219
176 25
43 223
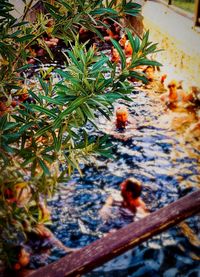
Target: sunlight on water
165 158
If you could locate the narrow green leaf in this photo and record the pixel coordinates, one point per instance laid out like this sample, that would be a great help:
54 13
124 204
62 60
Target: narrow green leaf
13 35
30 160
43 110
131 5
73 106
81 3
131 40
10 125
111 3
98 64
20 24
139 76
63 73
149 62
132 13
121 53
88 112
25 38
50 159
59 139
103 11
3 121
104 84
18 118
24 67
53 11
144 40
67 6
137 44
52 100
74 60
44 166
8 148
42 131
11 137
44 85
152 48
26 126
37 98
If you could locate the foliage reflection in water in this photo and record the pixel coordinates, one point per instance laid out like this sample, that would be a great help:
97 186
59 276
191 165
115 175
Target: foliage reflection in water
168 167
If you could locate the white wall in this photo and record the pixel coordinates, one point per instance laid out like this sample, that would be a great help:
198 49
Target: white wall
19 7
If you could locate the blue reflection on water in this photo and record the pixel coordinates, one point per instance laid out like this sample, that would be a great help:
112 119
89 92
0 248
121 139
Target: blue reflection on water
154 155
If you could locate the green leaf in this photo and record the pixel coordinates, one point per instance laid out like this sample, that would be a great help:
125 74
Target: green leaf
137 44
132 13
44 85
25 38
18 118
15 34
3 121
121 53
52 100
73 106
63 73
131 39
103 11
144 40
148 62
28 161
88 112
43 110
10 125
26 126
42 131
8 149
37 98
98 64
50 159
53 11
74 60
24 67
104 84
81 3
131 6
11 137
111 3
139 76
67 6
19 24
152 48
44 166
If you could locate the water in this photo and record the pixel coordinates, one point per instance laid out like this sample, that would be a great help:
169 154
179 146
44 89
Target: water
166 161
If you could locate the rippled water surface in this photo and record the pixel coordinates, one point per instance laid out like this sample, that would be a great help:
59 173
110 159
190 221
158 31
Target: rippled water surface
167 164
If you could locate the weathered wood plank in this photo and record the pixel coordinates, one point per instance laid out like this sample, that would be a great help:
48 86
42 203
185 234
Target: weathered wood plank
122 240
197 13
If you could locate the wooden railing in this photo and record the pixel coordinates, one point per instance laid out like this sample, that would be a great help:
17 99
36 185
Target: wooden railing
197 13
116 243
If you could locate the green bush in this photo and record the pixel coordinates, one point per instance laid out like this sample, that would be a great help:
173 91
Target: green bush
38 136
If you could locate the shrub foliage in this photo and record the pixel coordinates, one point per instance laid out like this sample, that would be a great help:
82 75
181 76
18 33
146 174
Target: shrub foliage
39 135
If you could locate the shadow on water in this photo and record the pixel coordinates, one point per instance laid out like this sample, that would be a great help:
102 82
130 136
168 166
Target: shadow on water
167 165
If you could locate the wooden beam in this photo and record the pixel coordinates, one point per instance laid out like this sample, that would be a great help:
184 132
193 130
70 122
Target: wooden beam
116 243
197 13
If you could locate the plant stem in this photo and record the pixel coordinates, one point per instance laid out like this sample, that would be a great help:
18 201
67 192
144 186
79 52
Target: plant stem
27 9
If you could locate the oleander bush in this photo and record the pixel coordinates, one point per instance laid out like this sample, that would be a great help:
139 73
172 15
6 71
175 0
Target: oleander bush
42 123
